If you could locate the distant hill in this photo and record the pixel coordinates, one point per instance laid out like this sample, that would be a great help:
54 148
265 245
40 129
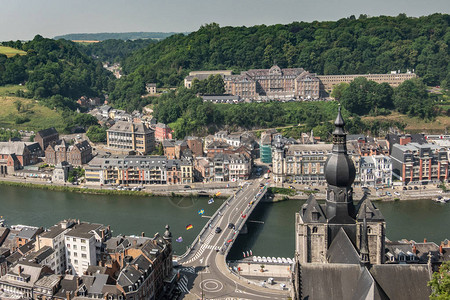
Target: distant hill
115 35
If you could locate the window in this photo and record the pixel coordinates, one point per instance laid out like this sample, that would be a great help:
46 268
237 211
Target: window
83 255
314 230
75 261
75 247
83 248
74 239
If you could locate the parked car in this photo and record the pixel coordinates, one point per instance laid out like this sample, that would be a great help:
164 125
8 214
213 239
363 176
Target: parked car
187 186
397 193
409 188
404 188
416 188
388 194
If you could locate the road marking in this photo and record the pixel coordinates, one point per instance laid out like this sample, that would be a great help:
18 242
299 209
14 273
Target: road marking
182 285
211 285
188 270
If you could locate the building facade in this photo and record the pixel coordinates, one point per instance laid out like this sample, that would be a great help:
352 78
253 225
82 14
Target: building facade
139 170
46 137
126 136
376 171
291 83
419 163
76 155
394 79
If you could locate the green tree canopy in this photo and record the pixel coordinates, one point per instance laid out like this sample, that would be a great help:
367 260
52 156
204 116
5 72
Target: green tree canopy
411 97
440 283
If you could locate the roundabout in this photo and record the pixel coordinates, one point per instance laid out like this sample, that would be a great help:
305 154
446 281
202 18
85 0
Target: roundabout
211 285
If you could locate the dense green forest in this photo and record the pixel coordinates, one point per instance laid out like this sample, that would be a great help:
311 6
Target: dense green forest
188 114
347 46
114 50
114 35
54 69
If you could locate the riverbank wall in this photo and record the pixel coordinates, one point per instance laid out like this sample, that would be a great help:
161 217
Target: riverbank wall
106 191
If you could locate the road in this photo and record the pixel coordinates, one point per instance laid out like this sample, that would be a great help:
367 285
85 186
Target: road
205 273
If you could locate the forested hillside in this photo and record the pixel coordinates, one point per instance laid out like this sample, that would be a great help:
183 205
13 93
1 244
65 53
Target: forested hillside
114 35
114 50
54 69
347 46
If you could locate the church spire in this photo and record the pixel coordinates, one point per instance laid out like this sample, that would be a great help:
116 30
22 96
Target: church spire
340 174
364 247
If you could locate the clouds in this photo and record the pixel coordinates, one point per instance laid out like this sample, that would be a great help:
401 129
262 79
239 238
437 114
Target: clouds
22 19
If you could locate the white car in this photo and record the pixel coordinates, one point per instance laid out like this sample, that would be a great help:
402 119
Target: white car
397 193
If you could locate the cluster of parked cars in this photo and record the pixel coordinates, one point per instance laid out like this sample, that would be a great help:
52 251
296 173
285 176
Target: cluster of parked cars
276 260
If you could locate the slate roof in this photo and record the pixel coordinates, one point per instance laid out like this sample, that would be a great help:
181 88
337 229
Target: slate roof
27 233
329 281
40 255
83 230
128 276
312 207
342 250
17 148
47 132
97 286
371 211
401 281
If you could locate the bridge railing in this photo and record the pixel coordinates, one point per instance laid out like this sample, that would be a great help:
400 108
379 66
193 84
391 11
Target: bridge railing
208 224
238 226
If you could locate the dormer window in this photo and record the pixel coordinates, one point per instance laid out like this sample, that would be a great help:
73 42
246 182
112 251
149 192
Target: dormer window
315 216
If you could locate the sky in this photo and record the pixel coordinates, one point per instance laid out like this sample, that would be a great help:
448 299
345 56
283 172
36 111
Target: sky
23 19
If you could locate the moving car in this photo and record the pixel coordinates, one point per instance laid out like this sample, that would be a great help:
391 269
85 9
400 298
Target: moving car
218 230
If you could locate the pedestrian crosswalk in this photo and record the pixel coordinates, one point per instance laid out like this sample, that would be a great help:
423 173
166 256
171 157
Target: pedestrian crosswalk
189 270
182 285
205 245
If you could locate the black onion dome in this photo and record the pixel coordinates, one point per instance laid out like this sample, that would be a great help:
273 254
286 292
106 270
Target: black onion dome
339 168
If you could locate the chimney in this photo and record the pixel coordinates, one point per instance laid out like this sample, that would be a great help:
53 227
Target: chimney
103 234
67 295
143 234
441 251
136 266
414 249
20 271
425 240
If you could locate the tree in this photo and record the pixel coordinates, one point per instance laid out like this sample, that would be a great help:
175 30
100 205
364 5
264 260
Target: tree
411 97
96 134
440 283
18 105
338 90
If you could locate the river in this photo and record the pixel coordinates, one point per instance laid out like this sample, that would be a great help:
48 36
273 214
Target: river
271 234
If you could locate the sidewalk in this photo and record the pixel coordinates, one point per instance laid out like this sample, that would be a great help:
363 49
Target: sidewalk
250 284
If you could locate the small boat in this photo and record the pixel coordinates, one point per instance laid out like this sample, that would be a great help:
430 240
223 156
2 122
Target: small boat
441 199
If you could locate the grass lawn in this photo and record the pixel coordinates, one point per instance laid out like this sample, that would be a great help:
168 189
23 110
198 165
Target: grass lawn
36 117
10 90
417 125
8 51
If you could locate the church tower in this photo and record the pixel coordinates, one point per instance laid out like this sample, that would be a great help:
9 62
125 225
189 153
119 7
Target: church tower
321 229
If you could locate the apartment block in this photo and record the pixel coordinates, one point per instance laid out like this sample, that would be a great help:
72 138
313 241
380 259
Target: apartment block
83 245
126 136
419 163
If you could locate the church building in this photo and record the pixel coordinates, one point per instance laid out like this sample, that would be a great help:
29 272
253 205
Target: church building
340 245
